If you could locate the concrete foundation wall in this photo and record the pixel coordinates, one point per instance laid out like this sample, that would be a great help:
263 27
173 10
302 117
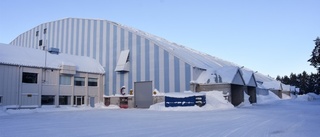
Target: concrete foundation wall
210 87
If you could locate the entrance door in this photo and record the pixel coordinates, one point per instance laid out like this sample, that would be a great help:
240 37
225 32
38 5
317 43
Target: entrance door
91 101
143 94
78 100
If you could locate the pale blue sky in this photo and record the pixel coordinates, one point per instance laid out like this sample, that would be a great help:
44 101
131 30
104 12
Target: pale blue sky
274 37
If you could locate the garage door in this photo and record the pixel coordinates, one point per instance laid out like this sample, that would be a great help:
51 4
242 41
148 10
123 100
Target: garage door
143 94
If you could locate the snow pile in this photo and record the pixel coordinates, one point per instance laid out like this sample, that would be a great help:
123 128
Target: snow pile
214 101
5 111
156 92
271 97
285 96
15 55
246 101
308 97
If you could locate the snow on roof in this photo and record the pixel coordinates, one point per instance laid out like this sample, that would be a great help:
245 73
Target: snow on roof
292 88
285 87
16 55
274 85
262 77
248 77
226 74
193 57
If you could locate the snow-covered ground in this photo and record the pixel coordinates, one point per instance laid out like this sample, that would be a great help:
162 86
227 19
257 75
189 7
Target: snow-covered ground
298 117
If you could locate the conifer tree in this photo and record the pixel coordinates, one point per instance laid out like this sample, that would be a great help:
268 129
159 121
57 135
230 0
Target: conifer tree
315 56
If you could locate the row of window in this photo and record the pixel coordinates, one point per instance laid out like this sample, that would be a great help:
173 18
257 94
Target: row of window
63 100
44 32
28 77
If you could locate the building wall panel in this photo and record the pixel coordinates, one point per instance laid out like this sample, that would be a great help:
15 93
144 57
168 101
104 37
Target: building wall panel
9 83
104 40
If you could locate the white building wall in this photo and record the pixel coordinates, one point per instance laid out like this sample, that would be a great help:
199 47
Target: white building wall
104 40
9 84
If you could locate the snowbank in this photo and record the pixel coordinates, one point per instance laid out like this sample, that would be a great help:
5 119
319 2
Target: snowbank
246 102
214 101
4 111
285 96
308 97
271 97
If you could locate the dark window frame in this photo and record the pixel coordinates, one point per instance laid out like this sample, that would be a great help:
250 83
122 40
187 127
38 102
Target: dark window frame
47 100
29 77
78 82
92 83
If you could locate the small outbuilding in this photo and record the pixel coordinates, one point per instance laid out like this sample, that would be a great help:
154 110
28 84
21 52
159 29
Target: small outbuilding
285 91
250 85
274 86
228 79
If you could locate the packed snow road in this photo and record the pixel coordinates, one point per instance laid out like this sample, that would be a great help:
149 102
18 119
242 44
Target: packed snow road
288 118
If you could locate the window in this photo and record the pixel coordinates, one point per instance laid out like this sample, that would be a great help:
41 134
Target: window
37 33
65 80
79 81
29 77
47 100
64 100
93 82
45 31
0 100
40 42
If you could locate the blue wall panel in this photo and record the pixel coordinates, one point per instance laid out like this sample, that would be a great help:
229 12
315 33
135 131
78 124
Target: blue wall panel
130 59
166 72
176 74
115 44
77 36
72 37
156 67
188 76
95 40
88 38
107 75
138 61
147 60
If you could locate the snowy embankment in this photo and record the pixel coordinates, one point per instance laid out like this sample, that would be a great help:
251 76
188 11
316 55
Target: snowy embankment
308 97
269 117
214 101
5 111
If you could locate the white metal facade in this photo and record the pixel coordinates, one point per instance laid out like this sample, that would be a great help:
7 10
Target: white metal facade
104 40
18 94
